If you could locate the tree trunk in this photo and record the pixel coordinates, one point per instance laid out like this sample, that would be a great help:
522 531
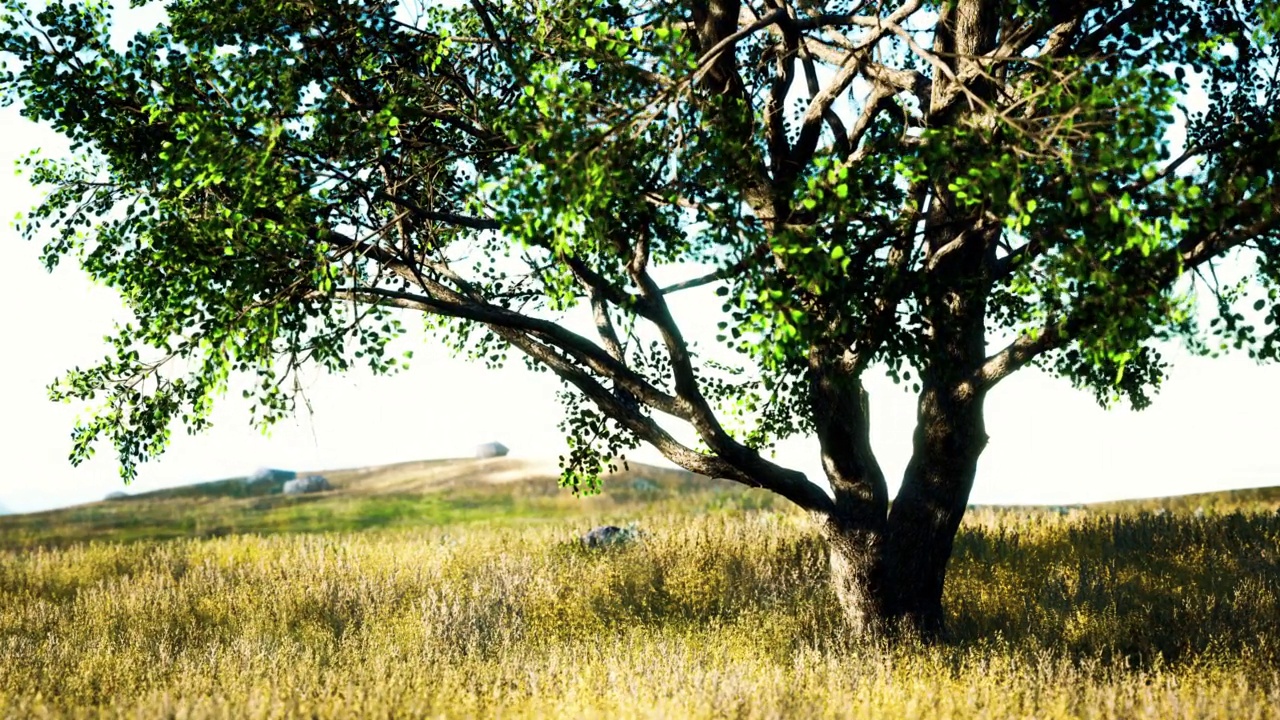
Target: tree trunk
889 577
888 572
888 564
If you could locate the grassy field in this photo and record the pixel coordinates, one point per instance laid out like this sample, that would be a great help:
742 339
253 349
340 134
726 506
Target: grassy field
433 590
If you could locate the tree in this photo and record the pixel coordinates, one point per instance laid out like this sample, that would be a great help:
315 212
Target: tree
952 191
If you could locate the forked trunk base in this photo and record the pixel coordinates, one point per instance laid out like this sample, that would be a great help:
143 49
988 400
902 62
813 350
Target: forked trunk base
879 600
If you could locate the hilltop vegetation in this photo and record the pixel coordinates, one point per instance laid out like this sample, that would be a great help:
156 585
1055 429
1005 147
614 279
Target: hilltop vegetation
471 599
442 492
415 494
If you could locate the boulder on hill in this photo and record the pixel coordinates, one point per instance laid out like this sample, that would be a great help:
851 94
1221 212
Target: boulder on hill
491 450
116 495
270 475
610 535
308 484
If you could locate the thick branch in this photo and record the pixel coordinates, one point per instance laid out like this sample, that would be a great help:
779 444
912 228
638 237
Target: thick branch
850 67
1019 353
874 106
629 416
604 327
843 148
788 483
709 57
795 487
819 107
774 123
546 349
441 300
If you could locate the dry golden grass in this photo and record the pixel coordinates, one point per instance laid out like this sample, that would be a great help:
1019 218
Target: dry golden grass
434 475
717 613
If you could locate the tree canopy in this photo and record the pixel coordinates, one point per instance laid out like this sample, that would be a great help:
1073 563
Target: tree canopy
952 190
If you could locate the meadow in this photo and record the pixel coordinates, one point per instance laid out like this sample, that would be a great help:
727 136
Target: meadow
474 600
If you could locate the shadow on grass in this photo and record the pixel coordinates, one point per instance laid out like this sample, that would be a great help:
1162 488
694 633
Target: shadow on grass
1137 591
1140 589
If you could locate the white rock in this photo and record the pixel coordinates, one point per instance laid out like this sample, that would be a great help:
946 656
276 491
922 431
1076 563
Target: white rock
608 535
491 450
308 484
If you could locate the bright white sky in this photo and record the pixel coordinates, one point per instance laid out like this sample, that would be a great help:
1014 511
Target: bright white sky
1208 429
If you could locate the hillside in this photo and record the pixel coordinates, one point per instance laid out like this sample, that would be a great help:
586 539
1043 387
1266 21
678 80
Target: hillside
422 493
1261 499
500 491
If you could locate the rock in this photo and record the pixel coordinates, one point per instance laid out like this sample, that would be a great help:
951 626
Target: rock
116 495
1199 512
610 535
270 475
602 536
308 484
491 450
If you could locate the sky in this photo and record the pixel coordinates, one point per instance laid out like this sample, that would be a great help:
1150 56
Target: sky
1052 444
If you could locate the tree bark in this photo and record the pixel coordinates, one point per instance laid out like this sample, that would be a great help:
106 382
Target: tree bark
888 565
855 527
888 574
927 511
893 572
